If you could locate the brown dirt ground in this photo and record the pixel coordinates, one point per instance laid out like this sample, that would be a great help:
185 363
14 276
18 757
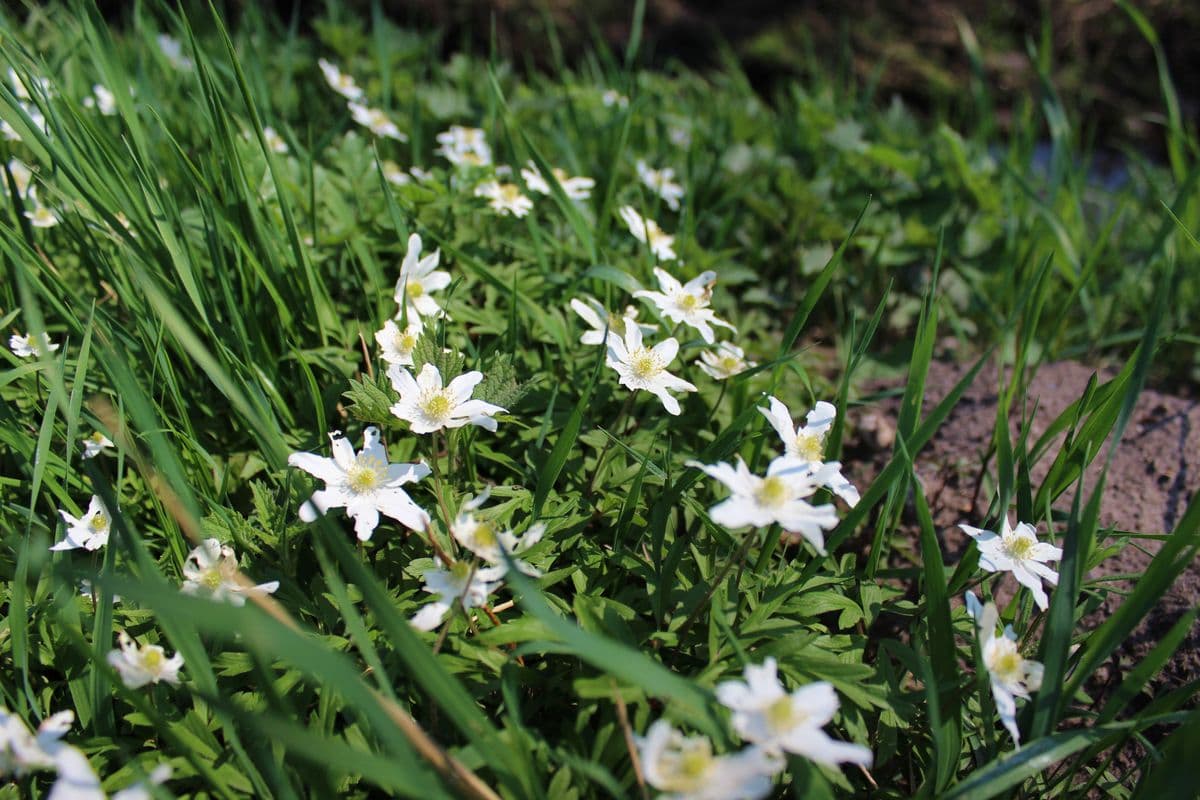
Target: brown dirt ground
1155 471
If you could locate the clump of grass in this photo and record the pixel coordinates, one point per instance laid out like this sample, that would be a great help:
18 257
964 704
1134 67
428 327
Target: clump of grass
228 240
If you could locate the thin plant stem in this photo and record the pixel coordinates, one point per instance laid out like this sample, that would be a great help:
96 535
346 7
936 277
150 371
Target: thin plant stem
737 559
616 431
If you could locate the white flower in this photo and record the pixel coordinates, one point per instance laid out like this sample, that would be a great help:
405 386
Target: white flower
397 345
767 715
662 183
1017 550
422 175
807 442
102 100
22 176
505 198
141 790
96 444
639 367
780 497
725 361
22 91
490 544
1011 674
393 173
139 665
365 484
211 570
647 231
612 97
464 147
173 50
687 302
22 752
428 406
462 584
36 117
579 188
378 122
42 217
30 346
595 315
685 768
340 82
91 593
680 136
89 532
418 277
275 142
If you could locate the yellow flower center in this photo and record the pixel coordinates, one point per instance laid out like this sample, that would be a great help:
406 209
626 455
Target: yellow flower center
151 659
509 192
405 341
437 405
414 289
729 364
689 302
782 715
99 522
484 536
212 579
772 492
695 762
1019 547
472 159
460 571
644 364
1006 662
810 446
365 476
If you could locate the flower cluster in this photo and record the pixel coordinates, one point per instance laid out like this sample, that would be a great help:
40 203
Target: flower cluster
770 719
373 119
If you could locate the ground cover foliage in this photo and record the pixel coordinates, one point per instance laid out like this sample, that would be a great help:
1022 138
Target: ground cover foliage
212 247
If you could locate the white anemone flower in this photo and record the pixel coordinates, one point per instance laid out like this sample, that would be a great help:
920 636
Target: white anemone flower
339 81
22 176
211 570
31 346
429 406
646 230
504 198
22 92
807 442
780 497
687 302
464 147
1011 674
640 367
725 361
89 532
394 174
685 767
141 790
612 98
484 540
275 142
418 277
662 183
601 321
376 121
767 715
139 665
463 584
22 752
102 100
577 188
41 216
96 444
366 485
173 50
396 344
1017 550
